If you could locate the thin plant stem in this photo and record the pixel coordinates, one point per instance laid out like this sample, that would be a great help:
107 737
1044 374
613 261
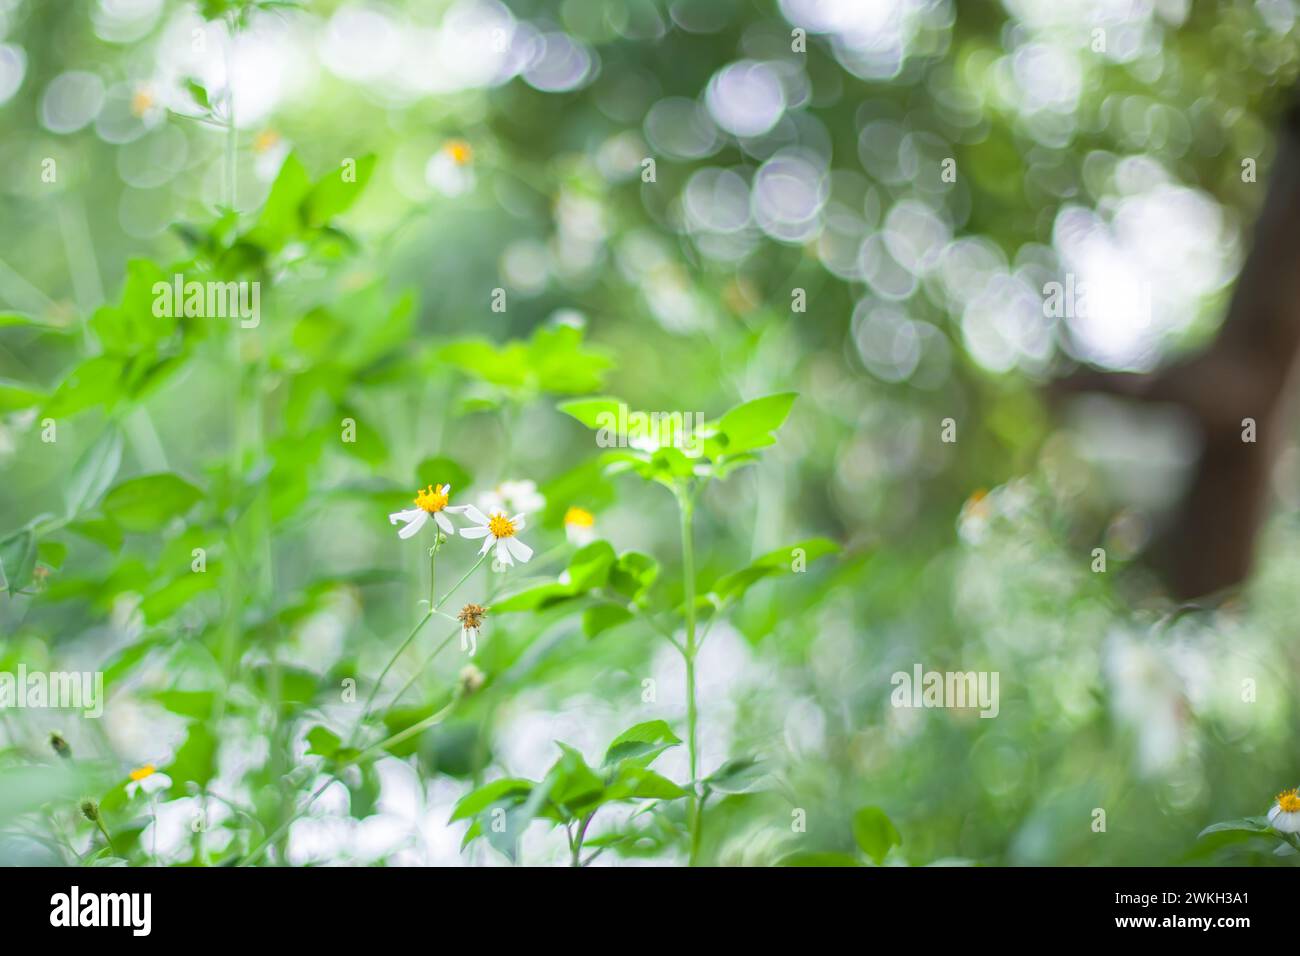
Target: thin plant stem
686 509
433 609
427 661
107 839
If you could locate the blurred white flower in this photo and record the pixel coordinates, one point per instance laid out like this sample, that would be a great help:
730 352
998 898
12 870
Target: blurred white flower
579 526
147 780
451 169
513 496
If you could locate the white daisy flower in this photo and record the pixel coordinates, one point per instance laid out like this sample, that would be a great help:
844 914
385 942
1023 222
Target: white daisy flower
430 502
512 496
148 780
1285 815
451 169
579 526
499 531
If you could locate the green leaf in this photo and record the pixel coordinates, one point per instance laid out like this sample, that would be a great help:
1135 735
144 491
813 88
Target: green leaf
601 617
96 381
133 326
595 413
1246 825
875 833
740 775
505 365
534 599
751 425
573 784
22 319
641 743
195 762
199 93
323 742
17 560
633 782
509 789
280 221
94 471
633 575
165 601
192 704
51 553
560 364
333 195
147 503
590 566
15 396
787 560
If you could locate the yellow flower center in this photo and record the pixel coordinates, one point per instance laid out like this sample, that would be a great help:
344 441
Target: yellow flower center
432 499
460 152
501 526
579 518
141 101
141 772
1288 801
265 140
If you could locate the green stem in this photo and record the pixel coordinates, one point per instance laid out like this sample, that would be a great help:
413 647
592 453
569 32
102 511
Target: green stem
575 846
465 577
374 691
427 661
686 508
107 839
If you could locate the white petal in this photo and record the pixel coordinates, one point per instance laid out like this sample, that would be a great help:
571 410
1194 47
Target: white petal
518 521
410 514
1272 814
519 549
473 531
455 509
414 525
503 551
487 543
475 515
444 523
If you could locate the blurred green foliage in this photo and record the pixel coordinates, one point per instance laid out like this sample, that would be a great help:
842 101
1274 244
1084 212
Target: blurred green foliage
197 508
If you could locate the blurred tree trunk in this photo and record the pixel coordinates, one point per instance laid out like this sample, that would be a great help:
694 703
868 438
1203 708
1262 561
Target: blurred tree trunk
1245 374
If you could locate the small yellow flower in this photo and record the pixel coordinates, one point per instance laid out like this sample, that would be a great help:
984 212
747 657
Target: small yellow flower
499 531
265 141
579 526
579 518
461 153
433 498
139 773
430 502
141 101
